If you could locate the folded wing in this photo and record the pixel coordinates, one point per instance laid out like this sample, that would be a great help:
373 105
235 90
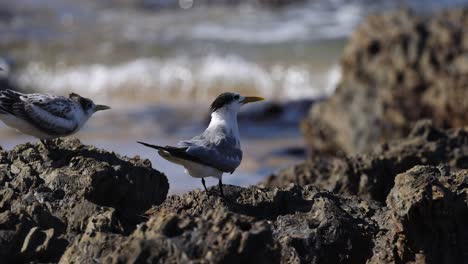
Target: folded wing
219 151
50 114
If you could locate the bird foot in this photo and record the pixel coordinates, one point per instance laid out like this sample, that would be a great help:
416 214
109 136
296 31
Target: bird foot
45 144
51 151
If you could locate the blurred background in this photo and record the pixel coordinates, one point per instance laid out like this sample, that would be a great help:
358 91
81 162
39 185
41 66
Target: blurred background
160 63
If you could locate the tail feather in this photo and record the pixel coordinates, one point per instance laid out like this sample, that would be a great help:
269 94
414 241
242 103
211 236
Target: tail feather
177 153
152 146
8 99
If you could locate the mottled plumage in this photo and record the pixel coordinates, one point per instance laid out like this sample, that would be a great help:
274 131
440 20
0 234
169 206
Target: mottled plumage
45 116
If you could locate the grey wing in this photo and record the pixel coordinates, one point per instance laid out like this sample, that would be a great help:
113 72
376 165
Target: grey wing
221 154
58 106
51 114
9 101
195 141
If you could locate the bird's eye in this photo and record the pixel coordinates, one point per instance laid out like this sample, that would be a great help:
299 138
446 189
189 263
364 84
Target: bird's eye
236 97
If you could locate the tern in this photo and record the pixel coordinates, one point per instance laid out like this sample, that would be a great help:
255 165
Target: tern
217 150
46 116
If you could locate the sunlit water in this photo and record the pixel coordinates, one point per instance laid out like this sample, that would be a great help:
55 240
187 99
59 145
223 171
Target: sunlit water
159 64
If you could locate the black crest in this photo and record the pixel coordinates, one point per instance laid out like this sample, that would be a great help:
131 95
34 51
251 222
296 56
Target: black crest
222 100
74 96
84 102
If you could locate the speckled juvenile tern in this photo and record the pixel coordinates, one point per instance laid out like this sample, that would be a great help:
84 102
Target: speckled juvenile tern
217 150
46 116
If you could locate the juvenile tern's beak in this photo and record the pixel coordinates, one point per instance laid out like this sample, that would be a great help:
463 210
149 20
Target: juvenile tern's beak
101 107
251 99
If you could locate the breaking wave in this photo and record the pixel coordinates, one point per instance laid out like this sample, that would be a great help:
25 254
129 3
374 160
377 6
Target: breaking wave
154 80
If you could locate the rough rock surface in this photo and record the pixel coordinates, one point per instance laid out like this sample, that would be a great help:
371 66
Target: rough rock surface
253 225
426 218
396 69
78 204
371 176
423 220
47 198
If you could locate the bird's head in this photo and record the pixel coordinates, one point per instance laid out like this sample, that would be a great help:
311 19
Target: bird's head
232 102
88 106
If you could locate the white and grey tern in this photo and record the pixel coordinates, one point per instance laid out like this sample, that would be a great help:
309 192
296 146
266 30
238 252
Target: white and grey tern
215 151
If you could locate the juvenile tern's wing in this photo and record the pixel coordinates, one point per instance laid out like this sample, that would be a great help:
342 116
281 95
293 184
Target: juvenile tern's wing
50 114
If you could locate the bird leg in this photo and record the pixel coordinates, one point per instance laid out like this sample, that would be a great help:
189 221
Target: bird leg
204 185
221 188
44 142
47 144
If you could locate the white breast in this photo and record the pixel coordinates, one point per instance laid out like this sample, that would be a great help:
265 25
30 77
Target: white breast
200 171
24 127
227 120
193 169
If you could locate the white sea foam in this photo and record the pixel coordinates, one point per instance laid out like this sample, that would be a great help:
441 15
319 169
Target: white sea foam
245 25
313 22
150 79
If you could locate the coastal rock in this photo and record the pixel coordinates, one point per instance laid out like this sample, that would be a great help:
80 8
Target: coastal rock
396 69
425 210
425 221
371 176
79 204
48 197
252 225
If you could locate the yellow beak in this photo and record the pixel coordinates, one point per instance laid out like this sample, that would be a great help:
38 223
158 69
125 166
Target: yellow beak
251 99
